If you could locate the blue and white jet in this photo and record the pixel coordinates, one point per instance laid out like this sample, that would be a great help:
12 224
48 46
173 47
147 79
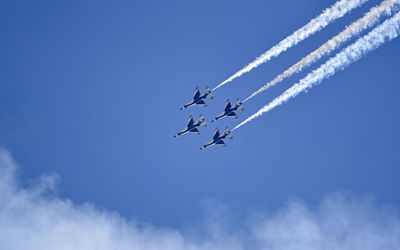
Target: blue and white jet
218 138
230 110
198 98
193 126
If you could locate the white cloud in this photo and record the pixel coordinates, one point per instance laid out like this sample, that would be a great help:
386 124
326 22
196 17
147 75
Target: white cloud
30 219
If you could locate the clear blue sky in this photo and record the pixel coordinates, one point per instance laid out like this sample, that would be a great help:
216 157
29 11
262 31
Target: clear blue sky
91 90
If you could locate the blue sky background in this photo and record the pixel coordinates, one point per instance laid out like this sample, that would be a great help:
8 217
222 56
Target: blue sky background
91 90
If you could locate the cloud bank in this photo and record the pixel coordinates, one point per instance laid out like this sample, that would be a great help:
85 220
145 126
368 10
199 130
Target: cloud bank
34 218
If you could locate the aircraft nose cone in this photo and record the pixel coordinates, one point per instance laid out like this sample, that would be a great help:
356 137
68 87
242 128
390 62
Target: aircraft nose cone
181 109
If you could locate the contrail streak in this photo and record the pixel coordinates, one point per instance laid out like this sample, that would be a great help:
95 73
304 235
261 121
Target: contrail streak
337 10
367 21
385 32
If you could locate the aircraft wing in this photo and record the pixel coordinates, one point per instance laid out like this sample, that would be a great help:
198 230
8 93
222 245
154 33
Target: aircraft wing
196 93
190 122
216 133
228 106
221 143
233 114
202 103
195 130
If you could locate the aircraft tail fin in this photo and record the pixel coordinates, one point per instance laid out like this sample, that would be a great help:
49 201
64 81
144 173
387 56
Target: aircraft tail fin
239 104
209 95
202 121
229 133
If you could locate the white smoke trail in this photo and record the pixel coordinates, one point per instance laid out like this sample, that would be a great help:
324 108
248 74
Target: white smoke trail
367 21
385 32
337 10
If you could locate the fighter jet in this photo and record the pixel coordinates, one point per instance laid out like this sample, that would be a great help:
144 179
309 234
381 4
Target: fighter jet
218 138
230 110
199 98
193 126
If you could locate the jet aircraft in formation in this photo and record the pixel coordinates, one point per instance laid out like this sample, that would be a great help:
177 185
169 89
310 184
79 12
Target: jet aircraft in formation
230 110
192 126
218 138
198 98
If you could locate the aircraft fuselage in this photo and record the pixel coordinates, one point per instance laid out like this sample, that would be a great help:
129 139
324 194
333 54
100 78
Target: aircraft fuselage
227 113
196 101
216 140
